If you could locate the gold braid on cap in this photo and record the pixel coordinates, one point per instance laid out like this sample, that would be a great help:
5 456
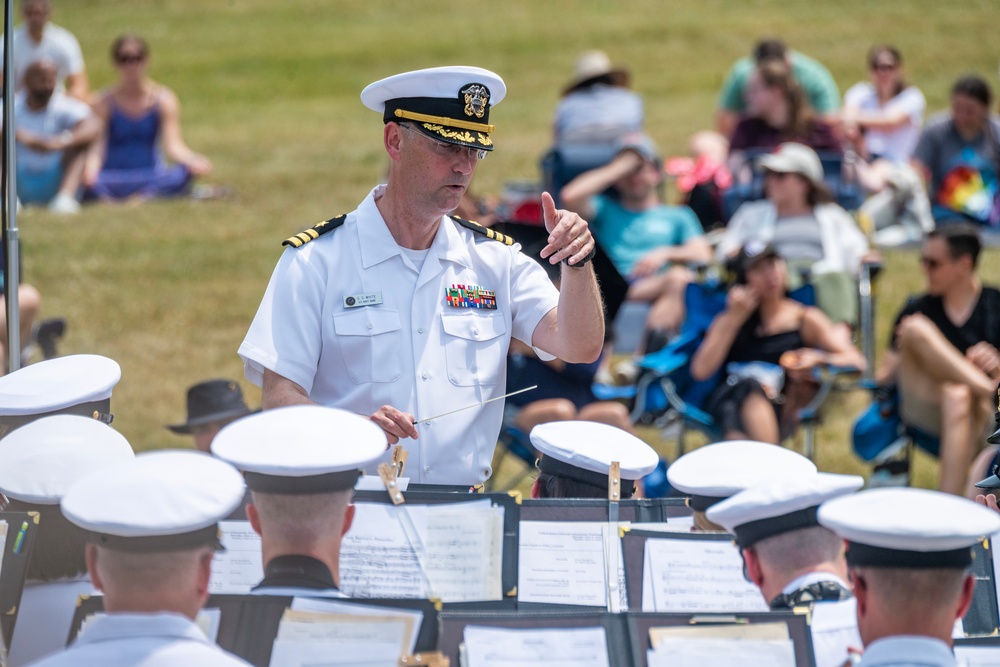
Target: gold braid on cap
444 120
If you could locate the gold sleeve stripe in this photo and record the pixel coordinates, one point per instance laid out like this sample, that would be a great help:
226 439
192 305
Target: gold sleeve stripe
444 120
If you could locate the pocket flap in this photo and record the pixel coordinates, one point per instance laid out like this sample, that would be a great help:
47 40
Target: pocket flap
366 322
474 326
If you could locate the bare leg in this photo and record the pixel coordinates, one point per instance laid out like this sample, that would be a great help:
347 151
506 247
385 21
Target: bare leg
29 302
665 291
963 424
544 411
924 350
607 412
74 164
758 418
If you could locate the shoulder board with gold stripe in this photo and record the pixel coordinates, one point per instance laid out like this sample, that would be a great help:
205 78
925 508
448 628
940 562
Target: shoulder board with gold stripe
314 233
485 231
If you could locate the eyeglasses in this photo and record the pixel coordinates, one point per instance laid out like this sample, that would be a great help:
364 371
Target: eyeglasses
447 150
930 263
884 67
129 58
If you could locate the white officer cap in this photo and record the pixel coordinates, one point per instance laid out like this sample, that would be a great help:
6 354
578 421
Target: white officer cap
908 528
79 384
779 505
584 451
715 472
41 460
301 449
450 104
159 501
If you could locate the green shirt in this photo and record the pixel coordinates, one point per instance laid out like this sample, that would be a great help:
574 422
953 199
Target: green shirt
817 82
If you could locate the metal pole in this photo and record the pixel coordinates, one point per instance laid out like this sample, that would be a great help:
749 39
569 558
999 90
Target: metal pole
9 218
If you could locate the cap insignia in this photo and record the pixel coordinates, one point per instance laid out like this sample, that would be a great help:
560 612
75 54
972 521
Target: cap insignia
477 97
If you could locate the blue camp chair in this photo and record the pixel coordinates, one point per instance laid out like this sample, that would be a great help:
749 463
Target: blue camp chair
666 381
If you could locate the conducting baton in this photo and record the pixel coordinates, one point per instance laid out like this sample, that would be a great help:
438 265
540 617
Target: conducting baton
475 405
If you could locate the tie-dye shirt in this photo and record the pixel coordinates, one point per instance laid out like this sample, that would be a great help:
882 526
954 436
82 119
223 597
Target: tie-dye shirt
963 173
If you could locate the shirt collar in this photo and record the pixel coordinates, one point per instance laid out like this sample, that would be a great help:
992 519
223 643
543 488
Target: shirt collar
378 245
116 626
907 649
804 580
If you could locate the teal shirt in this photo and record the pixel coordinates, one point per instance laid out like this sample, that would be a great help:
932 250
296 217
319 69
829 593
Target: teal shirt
817 82
627 236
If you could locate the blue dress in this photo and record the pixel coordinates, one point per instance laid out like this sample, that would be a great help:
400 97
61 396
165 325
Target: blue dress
134 164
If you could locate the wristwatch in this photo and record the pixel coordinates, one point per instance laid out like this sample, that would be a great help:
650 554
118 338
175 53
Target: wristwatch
583 262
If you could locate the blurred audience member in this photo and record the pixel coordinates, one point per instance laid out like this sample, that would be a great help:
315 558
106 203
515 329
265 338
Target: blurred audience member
648 241
761 324
29 302
777 111
38 39
54 132
811 232
142 124
816 82
597 105
211 405
958 153
943 355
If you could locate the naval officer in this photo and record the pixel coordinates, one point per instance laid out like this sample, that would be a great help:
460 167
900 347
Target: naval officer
909 553
153 525
400 312
301 463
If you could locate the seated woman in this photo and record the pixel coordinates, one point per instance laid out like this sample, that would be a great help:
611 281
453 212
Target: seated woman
807 229
777 112
142 125
881 120
762 324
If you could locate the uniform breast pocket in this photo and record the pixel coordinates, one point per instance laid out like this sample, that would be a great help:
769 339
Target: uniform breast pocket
370 341
474 346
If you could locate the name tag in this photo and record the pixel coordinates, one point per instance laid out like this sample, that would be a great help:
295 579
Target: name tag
370 299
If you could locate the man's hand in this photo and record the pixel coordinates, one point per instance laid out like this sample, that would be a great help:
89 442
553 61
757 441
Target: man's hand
569 234
985 357
989 500
37 142
651 262
395 423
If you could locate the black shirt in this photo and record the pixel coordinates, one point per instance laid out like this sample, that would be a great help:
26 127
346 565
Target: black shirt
982 325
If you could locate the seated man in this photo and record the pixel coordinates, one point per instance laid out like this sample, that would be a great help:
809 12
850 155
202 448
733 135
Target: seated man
153 527
642 235
943 354
597 105
816 81
40 39
301 464
957 155
53 134
793 560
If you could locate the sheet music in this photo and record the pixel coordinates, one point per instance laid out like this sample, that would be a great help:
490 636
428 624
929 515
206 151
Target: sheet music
676 524
464 555
563 562
413 618
503 647
374 483
977 656
697 576
239 568
834 629
701 652
738 631
286 653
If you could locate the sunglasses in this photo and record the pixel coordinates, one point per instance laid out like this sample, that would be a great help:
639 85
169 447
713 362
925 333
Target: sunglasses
129 58
447 150
930 263
884 67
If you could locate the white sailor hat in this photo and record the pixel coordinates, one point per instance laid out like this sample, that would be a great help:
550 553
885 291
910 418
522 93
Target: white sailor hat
908 528
450 104
301 449
165 500
584 451
715 472
41 460
779 505
79 384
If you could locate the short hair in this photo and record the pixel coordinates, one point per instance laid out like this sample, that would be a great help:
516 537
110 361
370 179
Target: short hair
975 87
147 571
962 238
769 49
59 551
300 517
128 38
798 550
913 590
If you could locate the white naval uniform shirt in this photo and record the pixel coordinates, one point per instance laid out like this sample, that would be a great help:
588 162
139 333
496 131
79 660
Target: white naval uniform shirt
150 640
908 651
413 350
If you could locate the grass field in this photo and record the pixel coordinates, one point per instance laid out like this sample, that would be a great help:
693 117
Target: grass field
270 92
